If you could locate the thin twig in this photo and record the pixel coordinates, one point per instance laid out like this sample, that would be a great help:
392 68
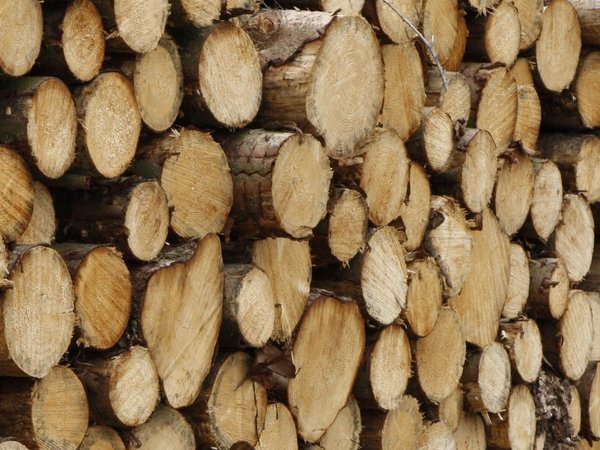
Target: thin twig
427 44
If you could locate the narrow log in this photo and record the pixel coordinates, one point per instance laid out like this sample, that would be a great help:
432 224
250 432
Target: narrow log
439 372
546 202
204 13
200 205
522 71
470 434
589 18
589 389
523 341
576 332
459 47
450 410
594 300
479 304
437 435
530 17
100 437
166 428
288 266
529 117
44 414
279 431
41 228
415 209
483 6
394 26
574 410
39 120
437 143
557 49
315 405
9 444
440 26
348 221
280 182
21 35
548 288
102 291
424 296
517 429
455 100
404 91
248 306
345 431
518 283
346 8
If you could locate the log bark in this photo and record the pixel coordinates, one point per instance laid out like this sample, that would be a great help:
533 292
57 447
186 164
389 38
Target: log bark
166 428
589 18
517 430
557 49
424 297
440 26
530 17
41 228
315 405
21 36
348 220
518 283
101 437
548 288
455 100
280 182
44 414
38 119
212 95
546 202
415 210
523 341
199 205
280 429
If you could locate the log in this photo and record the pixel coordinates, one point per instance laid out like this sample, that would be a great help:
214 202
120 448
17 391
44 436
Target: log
523 342
288 266
346 8
424 296
123 389
102 291
404 91
316 405
203 13
546 202
39 120
348 220
459 47
41 228
594 301
280 429
280 182
199 205
133 25
557 48
440 26
415 209
480 302
130 213
439 372
529 117
394 26
518 283
548 288
44 414
212 96
450 410
439 146
110 125
450 243
530 17
514 192
36 333
470 434
522 71
345 431
302 83
517 430
589 17
158 84
589 389
187 291
231 407
9 444
248 306
483 6
166 428
21 35
437 435
100 437
455 100
574 410
576 156
576 332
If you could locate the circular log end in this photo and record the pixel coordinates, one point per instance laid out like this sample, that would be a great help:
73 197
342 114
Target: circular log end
440 26
438 435
521 418
574 410
141 24
16 194
470 432
494 377
586 178
344 432
576 333
456 100
529 117
255 309
20 36
202 13
588 98
42 225
415 210
547 200
279 430
518 284
514 192
166 428
530 17
503 34
99 437
403 425
439 140
479 172
348 225
528 353
451 409
392 25
424 298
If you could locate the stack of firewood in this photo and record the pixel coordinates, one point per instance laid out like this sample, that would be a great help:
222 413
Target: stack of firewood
284 224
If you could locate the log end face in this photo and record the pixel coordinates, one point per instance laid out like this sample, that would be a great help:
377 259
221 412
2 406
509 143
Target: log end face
576 335
17 194
439 140
528 352
256 308
514 192
518 284
547 198
425 296
348 225
280 429
529 117
415 211
521 418
403 425
586 176
479 172
141 24
503 34
587 95
42 225
20 36
101 437
494 377
166 428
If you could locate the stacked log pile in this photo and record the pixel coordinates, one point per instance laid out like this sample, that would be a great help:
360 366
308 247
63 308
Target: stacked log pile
305 224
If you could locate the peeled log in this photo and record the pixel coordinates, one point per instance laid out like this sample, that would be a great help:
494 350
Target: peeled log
518 284
548 288
424 297
279 431
523 341
315 398
21 35
42 225
414 212
46 414
348 222
38 118
104 438
546 202
280 182
166 428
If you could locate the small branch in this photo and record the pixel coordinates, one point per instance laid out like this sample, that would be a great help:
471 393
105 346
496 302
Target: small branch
427 44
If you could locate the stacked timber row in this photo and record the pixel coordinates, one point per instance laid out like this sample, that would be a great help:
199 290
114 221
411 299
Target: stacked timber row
305 224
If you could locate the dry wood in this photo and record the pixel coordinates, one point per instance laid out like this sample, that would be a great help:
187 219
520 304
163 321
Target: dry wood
517 430
440 26
415 210
548 288
437 436
589 389
530 17
110 125
575 335
529 116
102 290
200 205
231 407
131 214
546 202
514 192
101 438
518 284
470 434
166 428
123 389
344 433
9 444
4 261
450 410
574 410
21 35
158 84
522 71
42 225
248 306
37 333
342 7
287 264
38 118
459 47
450 242
483 6
438 147
348 221
424 296
594 300
318 85
279 431
46 414
589 18
189 294
454 101
203 13
404 93
384 276
480 302
438 371
315 405
574 236
280 182
523 341
394 26
557 49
